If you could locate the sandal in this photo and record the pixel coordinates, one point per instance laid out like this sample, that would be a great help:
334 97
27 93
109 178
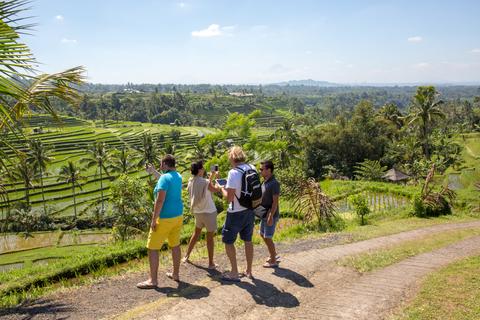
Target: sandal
229 278
213 267
277 257
170 275
146 285
244 275
270 265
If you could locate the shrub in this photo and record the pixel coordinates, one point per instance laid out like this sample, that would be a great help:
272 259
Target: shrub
130 203
360 204
309 199
430 203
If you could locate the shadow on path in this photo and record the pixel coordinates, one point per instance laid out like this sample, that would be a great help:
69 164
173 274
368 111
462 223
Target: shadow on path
185 290
40 307
293 276
265 293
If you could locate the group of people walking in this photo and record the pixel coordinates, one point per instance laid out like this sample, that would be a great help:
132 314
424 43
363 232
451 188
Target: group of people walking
247 198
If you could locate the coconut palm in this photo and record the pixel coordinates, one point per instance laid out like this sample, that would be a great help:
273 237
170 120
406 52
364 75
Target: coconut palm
424 112
38 157
123 160
70 173
20 85
98 156
290 148
23 171
148 150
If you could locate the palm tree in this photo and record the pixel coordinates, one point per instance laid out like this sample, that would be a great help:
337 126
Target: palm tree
20 86
23 171
391 113
123 160
148 150
38 157
291 148
70 173
100 157
425 111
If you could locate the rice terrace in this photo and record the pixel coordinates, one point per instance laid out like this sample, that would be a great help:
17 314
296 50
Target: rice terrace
140 140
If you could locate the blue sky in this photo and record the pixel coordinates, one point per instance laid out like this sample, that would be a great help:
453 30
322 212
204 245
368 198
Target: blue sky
146 41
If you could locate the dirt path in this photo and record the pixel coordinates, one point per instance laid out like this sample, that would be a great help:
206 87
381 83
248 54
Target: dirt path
308 285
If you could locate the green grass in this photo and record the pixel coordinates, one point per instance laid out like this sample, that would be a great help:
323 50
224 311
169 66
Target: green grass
452 293
370 261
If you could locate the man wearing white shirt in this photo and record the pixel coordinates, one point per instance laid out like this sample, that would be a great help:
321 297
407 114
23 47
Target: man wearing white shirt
239 220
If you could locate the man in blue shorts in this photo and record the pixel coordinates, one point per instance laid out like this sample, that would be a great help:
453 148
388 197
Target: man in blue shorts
239 220
270 197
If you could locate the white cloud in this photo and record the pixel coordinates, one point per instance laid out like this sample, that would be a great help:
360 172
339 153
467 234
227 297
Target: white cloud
59 18
415 39
421 65
182 4
214 30
68 41
476 50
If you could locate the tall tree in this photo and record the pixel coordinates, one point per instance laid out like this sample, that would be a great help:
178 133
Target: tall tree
70 173
23 171
39 157
424 112
98 156
123 160
148 150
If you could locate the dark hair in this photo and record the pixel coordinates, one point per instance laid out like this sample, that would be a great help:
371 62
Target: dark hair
268 164
195 167
169 161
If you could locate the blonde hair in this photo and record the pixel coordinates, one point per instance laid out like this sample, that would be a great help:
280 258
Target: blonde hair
236 154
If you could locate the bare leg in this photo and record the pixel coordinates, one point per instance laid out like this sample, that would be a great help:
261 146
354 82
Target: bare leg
191 244
271 249
232 256
249 256
176 254
210 246
153 259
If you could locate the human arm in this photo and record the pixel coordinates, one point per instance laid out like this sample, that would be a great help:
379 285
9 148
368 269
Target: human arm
157 208
273 209
211 186
228 193
150 168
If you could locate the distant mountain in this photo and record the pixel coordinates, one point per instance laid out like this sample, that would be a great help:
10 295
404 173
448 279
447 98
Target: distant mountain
308 83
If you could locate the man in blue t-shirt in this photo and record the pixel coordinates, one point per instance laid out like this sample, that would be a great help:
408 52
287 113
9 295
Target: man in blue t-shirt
166 221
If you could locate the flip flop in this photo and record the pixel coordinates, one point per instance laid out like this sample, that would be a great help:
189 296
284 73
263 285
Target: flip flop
146 285
277 257
244 275
214 267
270 265
170 275
228 278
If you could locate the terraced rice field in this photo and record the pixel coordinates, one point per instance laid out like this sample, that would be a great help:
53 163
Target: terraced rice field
70 142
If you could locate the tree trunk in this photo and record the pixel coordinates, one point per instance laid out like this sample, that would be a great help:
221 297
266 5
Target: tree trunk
27 193
43 192
74 202
101 189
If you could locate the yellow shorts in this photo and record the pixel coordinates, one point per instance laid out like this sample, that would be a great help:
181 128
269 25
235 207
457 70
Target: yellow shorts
168 228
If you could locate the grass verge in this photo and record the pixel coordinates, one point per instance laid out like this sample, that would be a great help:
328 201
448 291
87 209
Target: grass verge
370 261
451 293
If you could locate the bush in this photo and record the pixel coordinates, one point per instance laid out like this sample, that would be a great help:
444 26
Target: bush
430 203
360 204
